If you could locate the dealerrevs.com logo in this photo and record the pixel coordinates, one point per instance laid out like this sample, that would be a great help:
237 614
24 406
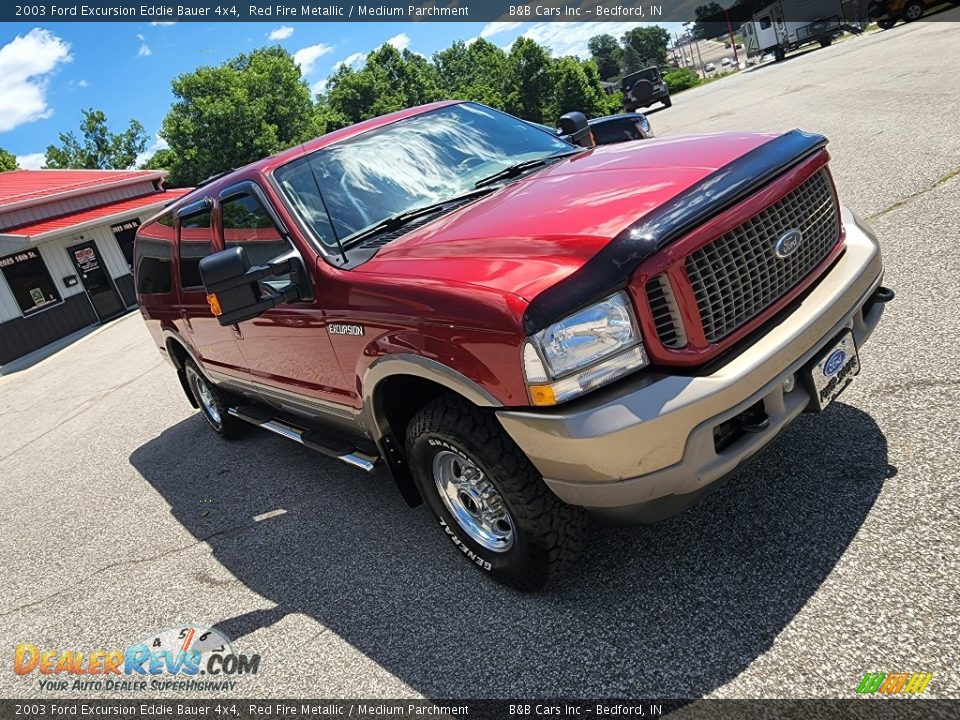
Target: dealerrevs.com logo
886 684
185 658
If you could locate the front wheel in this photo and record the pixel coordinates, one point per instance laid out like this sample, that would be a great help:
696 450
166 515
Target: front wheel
886 23
667 102
489 500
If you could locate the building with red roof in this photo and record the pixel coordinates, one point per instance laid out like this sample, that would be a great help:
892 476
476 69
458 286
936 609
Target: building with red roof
66 250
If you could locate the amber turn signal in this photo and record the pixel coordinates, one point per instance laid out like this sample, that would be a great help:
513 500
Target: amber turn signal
214 305
542 395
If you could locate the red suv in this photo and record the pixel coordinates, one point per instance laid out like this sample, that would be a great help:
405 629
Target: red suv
522 331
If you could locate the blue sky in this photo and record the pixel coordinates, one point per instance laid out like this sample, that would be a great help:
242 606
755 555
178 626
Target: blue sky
49 72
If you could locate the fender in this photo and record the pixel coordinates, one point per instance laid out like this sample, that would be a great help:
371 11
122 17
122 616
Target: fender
169 336
391 447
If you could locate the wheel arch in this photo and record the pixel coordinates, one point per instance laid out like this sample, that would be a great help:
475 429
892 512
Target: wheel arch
389 384
179 353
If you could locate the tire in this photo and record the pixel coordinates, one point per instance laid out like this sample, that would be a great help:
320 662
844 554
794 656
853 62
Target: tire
779 55
913 11
213 404
642 91
530 536
667 102
826 42
886 23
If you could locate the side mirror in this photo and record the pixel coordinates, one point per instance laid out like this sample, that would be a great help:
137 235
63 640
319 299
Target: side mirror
234 290
575 129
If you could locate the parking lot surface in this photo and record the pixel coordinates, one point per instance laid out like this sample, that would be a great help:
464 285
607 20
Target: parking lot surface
835 553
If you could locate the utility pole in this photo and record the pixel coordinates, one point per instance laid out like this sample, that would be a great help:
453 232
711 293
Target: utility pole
686 26
733 40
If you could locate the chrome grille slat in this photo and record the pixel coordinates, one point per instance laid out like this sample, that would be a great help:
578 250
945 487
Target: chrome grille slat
666 313
738 275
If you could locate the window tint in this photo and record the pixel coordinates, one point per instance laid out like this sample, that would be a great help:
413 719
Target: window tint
153 266
195 243
247 224
28 278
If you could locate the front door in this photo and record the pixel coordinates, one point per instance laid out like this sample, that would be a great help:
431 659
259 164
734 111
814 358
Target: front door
103 295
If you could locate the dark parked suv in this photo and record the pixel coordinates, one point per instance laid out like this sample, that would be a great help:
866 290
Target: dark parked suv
643 88
519 330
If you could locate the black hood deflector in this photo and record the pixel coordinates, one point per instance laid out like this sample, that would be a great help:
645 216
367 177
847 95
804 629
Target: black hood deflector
610 269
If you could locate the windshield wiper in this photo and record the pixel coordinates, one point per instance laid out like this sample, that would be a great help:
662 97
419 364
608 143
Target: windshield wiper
395 222
512 171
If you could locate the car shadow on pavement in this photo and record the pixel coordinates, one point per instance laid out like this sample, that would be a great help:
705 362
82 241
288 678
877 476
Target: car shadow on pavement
669 610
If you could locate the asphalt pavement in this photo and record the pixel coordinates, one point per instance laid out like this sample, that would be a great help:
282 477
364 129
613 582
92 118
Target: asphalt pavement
835 553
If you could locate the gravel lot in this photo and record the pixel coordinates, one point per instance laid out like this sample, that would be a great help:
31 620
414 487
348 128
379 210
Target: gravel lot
836 553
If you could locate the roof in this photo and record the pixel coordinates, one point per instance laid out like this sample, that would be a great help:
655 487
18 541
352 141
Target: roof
30 187
93 215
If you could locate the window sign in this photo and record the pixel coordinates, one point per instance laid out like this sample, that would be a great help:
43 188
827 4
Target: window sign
29 280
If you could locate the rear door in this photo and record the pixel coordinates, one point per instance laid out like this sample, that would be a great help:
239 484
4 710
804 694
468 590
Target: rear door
216 345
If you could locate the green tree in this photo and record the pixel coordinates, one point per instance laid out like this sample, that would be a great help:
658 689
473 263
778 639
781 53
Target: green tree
8 161
99 149
528 78
227 116
389 80
607 53
645 46
575 85
703 30
477 71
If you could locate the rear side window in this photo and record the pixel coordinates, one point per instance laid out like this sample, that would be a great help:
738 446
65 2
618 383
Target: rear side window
153 266
196 242
764 22
153 252
247 224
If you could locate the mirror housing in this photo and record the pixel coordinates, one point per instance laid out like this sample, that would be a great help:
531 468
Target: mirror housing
233 287
574 128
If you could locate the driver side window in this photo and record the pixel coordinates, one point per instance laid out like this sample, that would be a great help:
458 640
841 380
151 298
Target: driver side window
247 224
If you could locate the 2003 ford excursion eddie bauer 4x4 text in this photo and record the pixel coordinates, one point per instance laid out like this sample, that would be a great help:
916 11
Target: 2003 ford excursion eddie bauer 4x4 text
523 331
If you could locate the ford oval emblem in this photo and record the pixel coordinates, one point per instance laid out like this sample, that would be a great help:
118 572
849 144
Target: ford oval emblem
834 363
788 243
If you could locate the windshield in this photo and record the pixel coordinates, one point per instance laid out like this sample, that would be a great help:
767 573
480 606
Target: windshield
343 189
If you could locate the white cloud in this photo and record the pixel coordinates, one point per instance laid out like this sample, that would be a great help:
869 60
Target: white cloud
162 24
308 56
144 50
280 33
400 42
495 28
158 143
571 38
32 161
351 60
26 63
83 83
319 87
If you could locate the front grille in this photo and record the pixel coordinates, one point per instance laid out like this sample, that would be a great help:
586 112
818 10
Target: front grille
738 275
666 314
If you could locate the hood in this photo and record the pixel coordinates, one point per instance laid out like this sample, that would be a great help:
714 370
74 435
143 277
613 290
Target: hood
540 229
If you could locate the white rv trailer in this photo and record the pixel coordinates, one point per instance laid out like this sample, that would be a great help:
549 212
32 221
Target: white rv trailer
775 28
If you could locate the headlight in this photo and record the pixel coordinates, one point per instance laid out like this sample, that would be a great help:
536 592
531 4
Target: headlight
644 125
590 348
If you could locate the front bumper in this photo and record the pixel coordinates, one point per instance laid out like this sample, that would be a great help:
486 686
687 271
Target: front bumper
644 448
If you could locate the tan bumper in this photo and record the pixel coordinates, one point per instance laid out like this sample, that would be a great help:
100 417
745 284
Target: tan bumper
645 445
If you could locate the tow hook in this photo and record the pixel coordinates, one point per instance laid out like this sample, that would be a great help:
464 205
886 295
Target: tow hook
883 295
753 421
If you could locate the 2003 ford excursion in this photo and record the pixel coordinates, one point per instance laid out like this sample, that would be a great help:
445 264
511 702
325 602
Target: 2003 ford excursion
522 331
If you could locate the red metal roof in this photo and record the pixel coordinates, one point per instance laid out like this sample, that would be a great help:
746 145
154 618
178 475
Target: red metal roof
64 222
18 186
